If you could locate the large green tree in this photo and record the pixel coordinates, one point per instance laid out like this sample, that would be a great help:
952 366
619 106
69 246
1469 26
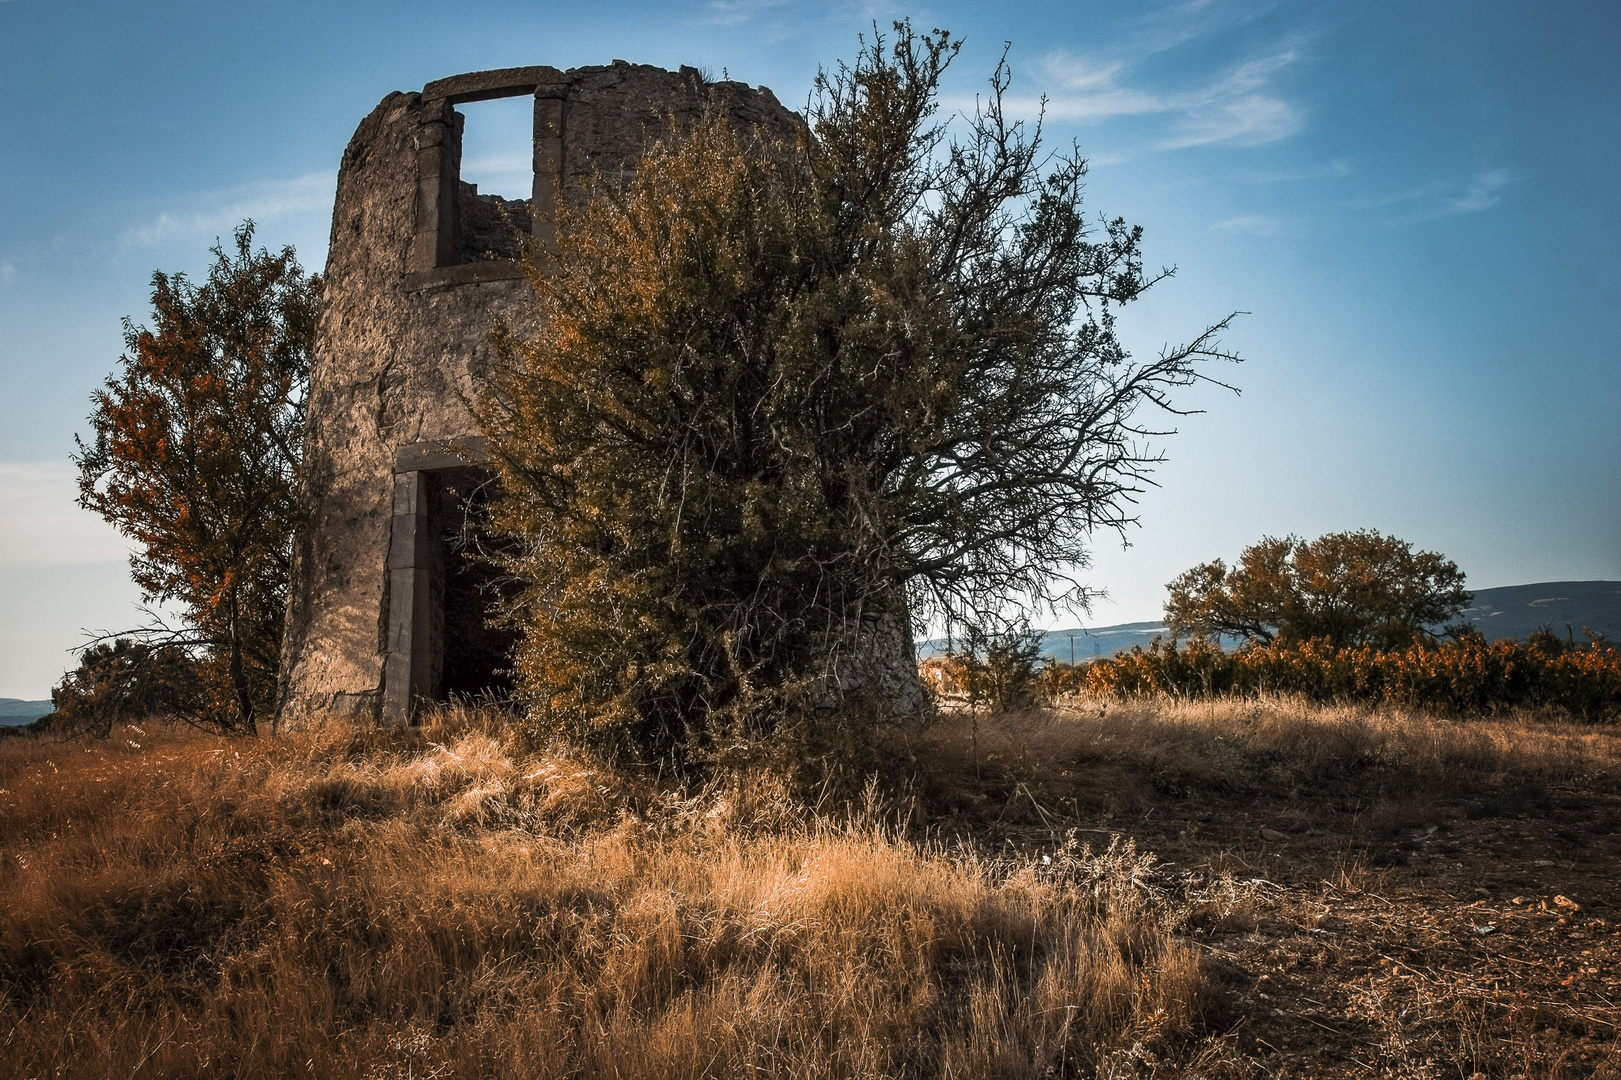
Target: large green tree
1349 588
195 452
788 398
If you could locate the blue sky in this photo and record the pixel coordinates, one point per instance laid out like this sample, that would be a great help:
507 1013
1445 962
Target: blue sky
1416 204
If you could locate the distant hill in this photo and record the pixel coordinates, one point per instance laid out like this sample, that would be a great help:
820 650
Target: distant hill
1518 611
1083 643
14 712
1514 611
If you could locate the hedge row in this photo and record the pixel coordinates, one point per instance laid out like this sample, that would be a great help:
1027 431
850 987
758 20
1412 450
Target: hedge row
1469 676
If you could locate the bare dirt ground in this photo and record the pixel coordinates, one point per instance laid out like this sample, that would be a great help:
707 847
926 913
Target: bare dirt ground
1443 902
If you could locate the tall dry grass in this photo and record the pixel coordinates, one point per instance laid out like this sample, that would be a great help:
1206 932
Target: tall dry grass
1103 748
465 902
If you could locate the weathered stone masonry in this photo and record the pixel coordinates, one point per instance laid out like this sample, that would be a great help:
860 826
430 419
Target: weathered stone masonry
420 270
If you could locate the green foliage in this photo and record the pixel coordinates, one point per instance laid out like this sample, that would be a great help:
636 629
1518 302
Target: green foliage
124 681
789 398
1463 677
1001 670
1350 589
195 455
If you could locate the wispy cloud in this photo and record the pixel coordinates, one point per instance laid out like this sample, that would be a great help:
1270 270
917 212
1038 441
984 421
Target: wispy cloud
1331 170
882 9
1481 193
1254 224
8 272
1082 89
1237 108
1439 199
40 524
216 213
1240 109
1164 28
730 12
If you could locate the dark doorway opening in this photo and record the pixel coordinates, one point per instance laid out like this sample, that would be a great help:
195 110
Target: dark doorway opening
476 654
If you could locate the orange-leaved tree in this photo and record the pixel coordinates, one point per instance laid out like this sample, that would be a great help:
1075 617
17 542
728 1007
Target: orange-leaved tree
1348 588
195 455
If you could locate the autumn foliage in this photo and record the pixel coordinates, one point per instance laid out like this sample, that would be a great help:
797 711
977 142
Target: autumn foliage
1351 588
1465 677
194 455
790 397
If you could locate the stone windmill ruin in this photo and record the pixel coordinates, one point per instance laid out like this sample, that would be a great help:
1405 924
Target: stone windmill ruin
382 613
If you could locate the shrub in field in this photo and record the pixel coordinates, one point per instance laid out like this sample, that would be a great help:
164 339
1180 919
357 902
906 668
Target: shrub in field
788 398
1000 670
123 681
1466 676
1004 672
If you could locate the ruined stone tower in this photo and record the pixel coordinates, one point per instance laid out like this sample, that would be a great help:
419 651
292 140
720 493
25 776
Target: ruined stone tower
420 270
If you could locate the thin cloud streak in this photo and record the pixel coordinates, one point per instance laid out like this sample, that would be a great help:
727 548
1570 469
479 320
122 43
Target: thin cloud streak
732 12
1253 224
222 211
1178 24
1440 200
1333 170
1237 109
1482 192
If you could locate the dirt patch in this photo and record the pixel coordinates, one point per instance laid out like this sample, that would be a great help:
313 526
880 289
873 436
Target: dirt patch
1446 913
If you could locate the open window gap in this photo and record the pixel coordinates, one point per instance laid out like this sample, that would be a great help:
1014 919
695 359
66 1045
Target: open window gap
497 177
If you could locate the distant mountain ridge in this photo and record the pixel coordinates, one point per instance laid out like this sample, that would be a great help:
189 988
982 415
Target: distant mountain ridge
1518 611
15 712
1513 611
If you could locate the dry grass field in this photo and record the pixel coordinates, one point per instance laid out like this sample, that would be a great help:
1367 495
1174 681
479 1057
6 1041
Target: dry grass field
1332 892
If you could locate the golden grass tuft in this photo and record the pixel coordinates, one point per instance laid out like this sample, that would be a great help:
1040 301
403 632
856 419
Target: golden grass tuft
1094 752
459 902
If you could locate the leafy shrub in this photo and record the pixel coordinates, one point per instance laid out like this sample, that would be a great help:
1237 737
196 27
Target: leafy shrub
1470 675
1003 670
124 681
788 397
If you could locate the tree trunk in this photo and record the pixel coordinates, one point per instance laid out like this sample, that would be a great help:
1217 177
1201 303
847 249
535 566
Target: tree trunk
239 677
878 662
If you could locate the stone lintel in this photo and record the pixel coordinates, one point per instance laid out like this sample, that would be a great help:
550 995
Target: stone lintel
463 274
437 454
488 85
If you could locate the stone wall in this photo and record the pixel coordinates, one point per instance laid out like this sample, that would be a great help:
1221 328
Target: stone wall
419 272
